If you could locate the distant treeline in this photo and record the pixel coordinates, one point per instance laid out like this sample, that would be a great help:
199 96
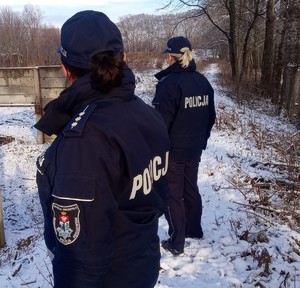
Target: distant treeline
258 41
26 41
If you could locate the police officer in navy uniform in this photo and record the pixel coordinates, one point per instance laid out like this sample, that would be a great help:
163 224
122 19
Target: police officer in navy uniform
185 99
102 182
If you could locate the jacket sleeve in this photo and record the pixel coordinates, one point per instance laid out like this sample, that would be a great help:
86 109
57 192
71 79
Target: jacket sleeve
166 102
83 209
212 112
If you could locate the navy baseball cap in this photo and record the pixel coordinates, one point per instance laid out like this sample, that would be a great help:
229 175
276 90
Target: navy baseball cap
86 34
175 44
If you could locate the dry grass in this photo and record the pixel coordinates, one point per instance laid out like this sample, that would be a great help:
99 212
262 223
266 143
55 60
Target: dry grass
140 61
269 200
279 195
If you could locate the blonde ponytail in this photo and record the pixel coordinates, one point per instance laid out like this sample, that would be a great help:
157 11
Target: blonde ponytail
185 58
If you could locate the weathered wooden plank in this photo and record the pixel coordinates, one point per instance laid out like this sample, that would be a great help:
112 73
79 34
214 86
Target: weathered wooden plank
16 72
55 82
31 86
23 81
17 99
51 72
45 101
16 90
51 93
17 105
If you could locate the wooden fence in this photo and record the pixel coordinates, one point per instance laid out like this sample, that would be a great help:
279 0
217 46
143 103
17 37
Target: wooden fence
33 86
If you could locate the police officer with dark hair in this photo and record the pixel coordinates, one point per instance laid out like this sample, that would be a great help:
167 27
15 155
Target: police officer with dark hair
102 182
185 99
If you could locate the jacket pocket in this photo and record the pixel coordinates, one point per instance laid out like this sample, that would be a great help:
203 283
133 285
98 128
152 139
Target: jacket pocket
72 202
74 187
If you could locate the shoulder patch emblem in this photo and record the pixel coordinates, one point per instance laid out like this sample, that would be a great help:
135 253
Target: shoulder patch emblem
66 223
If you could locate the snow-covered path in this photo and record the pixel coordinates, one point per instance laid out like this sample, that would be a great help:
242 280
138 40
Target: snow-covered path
221 259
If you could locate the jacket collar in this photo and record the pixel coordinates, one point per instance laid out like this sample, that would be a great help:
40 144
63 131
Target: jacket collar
175 68
59 111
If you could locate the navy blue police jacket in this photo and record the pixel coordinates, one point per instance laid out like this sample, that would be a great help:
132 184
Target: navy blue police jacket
102 182
185 99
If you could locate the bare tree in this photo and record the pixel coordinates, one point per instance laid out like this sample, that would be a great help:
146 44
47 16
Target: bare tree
11 38
235 19
291 78
268 56
25 41
150 33
49 39
281 30
31 17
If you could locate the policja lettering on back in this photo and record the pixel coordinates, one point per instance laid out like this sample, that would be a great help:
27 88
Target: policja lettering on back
151 173
189 125
81 184
196 101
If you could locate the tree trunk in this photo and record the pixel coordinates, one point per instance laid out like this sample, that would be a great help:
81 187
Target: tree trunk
292 60
279 55
232 38
294 107
267 63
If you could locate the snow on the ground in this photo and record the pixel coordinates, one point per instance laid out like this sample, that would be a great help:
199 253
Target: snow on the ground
221 259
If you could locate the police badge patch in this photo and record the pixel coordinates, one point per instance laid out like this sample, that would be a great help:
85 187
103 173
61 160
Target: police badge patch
66 223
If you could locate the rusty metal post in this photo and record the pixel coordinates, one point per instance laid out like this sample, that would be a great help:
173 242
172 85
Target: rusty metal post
2 235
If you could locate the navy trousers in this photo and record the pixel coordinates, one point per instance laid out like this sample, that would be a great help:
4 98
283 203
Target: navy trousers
185 203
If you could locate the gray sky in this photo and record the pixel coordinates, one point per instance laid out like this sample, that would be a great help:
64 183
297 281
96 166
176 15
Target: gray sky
56 12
